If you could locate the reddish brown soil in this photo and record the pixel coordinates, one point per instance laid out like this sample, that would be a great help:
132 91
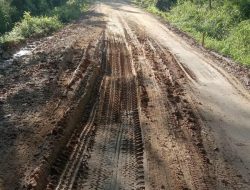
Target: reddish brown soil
35 97
102 104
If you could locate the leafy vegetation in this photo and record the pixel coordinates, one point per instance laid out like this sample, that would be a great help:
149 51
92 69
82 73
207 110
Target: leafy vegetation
5 15
70 11
165 5
48 16
31 27
226 24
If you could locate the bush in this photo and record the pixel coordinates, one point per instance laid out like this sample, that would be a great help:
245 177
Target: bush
165 5
35 7
5 16
244 7
70 11
67 13
31 27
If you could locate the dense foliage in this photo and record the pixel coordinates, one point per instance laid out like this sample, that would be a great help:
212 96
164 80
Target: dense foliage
165 5
16 22
6 12
32 27
12 11
225 23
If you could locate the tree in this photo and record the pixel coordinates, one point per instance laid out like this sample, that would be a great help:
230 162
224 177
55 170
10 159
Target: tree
210 4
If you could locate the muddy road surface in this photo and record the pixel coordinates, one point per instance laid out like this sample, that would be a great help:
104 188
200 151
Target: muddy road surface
119 101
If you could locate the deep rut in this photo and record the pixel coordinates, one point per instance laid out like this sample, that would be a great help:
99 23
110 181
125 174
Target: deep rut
108 153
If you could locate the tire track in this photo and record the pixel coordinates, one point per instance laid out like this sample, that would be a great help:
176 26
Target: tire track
108 153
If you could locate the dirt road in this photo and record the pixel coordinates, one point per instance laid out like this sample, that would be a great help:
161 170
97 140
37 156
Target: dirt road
141 109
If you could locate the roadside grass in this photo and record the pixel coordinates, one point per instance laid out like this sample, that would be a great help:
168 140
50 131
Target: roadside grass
225 31
69 12
39 26
31 27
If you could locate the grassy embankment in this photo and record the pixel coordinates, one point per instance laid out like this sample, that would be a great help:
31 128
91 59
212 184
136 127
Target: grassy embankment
226 28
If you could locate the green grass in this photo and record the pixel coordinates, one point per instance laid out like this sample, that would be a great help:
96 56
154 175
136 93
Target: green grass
225 30
31 27
69 12
38 26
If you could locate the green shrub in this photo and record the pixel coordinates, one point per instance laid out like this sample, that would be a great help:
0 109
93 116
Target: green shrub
31 27
5 16
34 26
165 5
244 7
67 12
70 11
35 7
